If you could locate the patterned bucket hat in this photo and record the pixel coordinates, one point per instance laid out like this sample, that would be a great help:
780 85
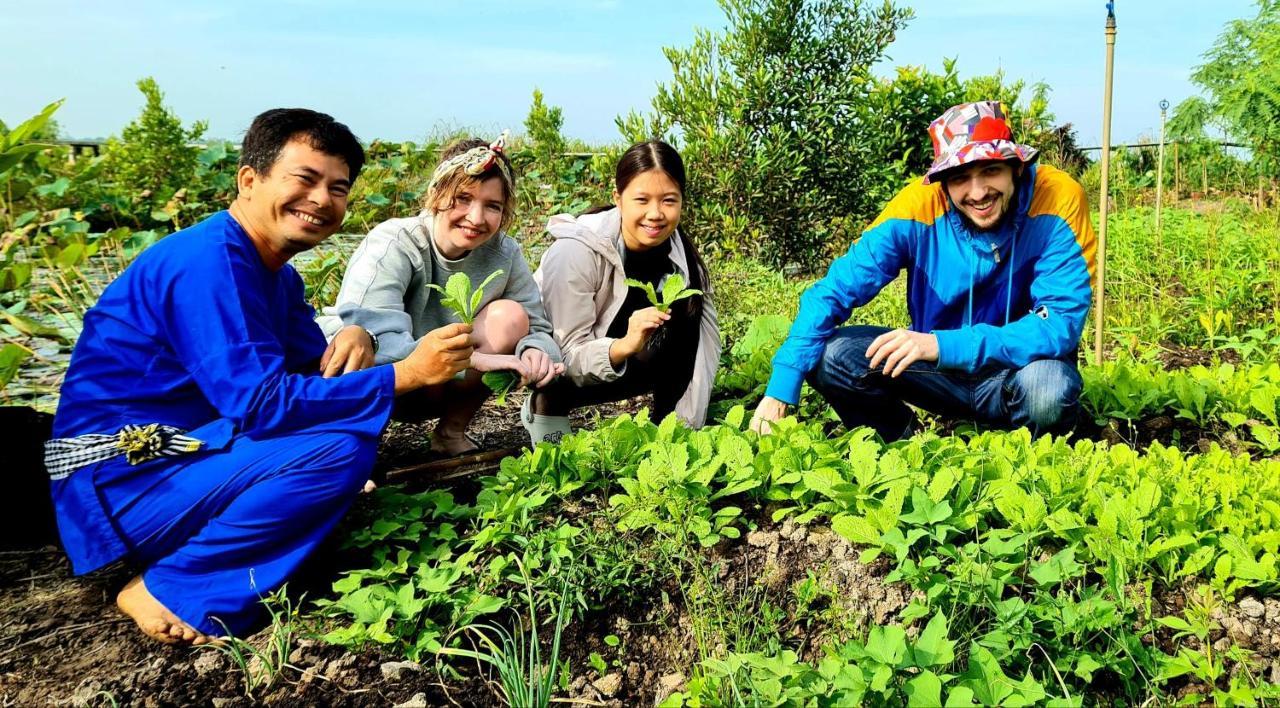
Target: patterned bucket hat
971 132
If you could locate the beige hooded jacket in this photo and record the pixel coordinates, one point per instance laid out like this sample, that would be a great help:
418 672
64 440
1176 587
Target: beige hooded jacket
583 287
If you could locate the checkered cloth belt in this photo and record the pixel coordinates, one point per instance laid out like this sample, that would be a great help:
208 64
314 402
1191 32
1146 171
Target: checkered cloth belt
138 443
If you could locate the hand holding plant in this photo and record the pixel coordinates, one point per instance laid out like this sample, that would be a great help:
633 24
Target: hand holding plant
640 327
440 355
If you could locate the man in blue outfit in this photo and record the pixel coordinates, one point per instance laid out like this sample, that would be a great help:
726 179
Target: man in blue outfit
195 435
999 254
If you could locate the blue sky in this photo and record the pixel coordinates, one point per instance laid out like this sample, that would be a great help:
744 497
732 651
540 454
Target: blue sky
402 70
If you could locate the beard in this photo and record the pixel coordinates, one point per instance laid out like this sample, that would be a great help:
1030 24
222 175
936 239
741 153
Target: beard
1005 214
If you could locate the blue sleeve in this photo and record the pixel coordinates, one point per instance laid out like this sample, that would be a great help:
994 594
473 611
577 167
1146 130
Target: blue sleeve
1060 293
304 341
220 326
852 281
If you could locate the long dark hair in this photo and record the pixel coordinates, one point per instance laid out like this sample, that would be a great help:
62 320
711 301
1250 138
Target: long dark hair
658 155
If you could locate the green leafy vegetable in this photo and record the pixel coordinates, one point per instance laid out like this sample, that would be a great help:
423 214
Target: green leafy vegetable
673 291
501 383
458 296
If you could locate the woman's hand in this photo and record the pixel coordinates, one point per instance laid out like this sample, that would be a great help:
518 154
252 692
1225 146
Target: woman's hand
539 368
640 326
350 350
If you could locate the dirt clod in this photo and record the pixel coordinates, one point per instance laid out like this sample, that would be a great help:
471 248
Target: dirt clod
419 700
395 670
608 685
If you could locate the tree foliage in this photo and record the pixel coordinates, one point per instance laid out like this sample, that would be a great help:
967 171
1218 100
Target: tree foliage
771 118
154 153
1242 84
544 123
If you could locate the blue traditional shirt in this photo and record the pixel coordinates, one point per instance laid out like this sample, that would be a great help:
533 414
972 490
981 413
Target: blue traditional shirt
198 334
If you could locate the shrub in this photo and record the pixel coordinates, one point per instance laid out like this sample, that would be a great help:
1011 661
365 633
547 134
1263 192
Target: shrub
544 123
154 157
771 122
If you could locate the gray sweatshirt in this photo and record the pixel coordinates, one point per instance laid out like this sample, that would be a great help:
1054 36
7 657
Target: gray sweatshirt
385 288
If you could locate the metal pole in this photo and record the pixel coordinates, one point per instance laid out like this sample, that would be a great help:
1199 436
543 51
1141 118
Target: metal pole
1099 300
1164 106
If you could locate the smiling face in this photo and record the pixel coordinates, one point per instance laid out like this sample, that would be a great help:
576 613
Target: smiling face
295 205
650 207
473 219
982 191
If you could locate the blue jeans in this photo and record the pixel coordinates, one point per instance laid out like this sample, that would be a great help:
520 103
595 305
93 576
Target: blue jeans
1043 395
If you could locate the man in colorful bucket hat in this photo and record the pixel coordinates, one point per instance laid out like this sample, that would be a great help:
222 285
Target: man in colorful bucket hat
999 256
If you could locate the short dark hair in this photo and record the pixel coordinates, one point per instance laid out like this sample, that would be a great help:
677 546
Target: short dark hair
270 131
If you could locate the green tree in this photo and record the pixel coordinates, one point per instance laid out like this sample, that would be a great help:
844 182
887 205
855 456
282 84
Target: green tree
154 156
544 123
901 108
770 118
1030 119
1242 84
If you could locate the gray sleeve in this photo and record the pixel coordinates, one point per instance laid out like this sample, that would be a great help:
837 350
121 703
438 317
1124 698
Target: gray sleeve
372 293
522 288
570 277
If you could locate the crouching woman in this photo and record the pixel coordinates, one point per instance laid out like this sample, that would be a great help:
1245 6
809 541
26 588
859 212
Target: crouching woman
616 343
387 291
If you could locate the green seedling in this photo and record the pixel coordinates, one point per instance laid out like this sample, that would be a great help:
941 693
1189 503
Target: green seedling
501 383
458 296
673 291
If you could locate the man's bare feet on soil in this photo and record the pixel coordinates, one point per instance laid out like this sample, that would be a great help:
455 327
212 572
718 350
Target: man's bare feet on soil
153 618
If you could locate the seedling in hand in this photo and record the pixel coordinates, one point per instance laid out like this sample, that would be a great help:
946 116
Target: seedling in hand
458 296
673 291
501 383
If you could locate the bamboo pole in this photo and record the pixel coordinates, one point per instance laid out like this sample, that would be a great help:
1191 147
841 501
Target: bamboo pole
1164 106
1099 300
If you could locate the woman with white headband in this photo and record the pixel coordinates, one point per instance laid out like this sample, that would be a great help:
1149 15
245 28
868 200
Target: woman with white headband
467 208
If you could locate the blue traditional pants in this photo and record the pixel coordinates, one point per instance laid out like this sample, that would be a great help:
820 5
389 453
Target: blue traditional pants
219 531
1043 396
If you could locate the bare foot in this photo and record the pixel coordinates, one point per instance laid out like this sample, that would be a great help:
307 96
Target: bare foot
452 444
153 618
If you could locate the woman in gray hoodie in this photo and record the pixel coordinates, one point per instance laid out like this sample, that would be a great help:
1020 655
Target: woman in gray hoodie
616 344
387 290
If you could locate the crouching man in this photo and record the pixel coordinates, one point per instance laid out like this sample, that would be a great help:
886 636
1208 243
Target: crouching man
999 255
195 436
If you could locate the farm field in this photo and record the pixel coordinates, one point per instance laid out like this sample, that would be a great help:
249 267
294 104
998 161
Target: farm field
1132 560
638 562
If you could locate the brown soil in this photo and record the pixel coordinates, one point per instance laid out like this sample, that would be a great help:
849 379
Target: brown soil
1174 356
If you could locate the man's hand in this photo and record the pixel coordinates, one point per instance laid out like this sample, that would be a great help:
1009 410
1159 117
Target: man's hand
901 348
539 369
350 350
769 410
439 355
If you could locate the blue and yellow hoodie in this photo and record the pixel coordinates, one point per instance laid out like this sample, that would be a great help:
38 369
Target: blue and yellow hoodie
1005 298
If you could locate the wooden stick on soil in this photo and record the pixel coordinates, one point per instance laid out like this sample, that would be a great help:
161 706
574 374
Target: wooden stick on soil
402 474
